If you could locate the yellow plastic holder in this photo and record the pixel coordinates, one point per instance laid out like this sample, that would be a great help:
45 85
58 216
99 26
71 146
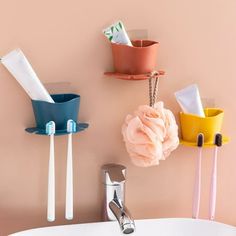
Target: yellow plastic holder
209 126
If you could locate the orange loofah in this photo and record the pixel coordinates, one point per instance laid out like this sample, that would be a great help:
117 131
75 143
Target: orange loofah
150 135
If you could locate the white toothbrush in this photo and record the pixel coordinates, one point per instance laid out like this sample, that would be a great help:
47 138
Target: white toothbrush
50 130
71 128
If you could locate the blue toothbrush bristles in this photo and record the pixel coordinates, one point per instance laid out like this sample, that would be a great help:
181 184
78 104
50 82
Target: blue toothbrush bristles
71 126
50 128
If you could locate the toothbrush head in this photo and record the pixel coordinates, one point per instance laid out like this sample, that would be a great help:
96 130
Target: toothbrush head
50 128
200 140
218 140
71 126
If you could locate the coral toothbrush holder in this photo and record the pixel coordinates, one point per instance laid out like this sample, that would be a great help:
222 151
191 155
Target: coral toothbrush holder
136 60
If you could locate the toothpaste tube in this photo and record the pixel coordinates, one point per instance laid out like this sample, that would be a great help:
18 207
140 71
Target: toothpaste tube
190 101
116 34
18 65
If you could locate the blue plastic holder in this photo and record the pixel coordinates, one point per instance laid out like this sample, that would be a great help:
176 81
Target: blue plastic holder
66 107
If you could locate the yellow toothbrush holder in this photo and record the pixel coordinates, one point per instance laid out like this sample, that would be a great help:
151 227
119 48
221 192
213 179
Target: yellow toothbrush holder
209 126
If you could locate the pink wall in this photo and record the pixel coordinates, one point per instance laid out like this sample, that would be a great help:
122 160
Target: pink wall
64 43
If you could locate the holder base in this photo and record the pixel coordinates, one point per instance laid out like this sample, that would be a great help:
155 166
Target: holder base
225 140
131 77
79 127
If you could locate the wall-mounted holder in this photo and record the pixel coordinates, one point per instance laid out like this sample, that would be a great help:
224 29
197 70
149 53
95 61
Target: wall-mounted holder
209 126
134 63
66 107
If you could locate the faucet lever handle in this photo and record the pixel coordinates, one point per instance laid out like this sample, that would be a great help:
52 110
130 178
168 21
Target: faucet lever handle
113 174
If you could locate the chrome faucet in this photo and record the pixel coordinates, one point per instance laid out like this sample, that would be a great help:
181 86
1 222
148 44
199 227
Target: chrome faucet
114 189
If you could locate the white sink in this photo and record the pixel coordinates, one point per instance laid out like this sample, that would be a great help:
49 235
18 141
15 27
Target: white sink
150 227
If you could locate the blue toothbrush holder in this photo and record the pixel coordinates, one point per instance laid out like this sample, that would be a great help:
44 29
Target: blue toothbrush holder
66 107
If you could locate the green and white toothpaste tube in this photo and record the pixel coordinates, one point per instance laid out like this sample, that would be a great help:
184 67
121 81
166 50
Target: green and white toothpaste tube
116 34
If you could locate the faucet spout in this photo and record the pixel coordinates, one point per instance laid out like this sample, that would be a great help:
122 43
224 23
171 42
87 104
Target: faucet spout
114 177
122 215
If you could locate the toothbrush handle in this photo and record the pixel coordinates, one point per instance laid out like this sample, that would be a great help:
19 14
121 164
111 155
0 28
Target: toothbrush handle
69 181
213 186
197 187
51 183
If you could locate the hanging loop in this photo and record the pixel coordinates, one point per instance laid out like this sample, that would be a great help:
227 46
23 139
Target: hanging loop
153 88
